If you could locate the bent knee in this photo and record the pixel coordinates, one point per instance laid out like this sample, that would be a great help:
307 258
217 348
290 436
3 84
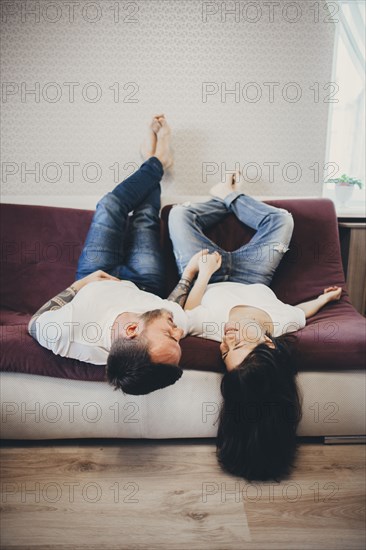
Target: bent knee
109 202
178 215
282 248
283 230
286 220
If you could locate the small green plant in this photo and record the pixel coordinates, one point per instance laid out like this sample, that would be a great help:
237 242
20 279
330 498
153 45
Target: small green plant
346 180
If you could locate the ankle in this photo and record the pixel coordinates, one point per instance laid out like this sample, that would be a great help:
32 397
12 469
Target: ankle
161 159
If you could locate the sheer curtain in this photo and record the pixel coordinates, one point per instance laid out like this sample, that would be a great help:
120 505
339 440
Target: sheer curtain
346 128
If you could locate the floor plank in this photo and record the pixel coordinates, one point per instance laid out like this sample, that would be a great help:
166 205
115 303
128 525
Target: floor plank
172 495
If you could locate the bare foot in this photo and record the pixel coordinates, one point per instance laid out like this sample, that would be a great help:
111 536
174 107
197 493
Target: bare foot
222 190
332 293
163 147
148 146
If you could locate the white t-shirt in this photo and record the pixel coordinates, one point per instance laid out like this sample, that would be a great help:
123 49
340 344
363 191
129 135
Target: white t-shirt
81 329
208 319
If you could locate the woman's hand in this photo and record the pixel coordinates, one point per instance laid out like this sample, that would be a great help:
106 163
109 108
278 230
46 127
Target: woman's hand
209 263
332 293
192 267
92 278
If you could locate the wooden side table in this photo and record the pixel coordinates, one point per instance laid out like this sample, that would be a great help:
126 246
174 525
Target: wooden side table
356 264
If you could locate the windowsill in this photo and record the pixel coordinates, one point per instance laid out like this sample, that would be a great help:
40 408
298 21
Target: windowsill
355 207
354 213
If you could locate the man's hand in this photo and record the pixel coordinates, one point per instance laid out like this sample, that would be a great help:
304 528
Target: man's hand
92 278
209 263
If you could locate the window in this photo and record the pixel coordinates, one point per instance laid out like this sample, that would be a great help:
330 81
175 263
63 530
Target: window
346 126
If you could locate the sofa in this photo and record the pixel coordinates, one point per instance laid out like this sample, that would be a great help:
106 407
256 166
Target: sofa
44 396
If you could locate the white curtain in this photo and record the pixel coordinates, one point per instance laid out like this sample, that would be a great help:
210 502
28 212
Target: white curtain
346 139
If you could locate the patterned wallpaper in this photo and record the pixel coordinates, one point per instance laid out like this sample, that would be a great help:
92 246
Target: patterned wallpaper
242 83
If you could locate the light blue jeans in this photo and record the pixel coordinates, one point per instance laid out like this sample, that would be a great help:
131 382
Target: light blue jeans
254 262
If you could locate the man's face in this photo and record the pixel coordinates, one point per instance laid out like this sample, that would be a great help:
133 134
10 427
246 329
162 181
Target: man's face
240 338
163 336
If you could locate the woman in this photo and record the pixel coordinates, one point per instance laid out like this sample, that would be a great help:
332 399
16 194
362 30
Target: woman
261 403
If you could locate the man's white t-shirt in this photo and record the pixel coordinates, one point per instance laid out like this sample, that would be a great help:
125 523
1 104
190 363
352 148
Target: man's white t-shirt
208 319
82 328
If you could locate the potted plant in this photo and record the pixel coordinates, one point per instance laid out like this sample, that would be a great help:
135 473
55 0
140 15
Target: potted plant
344 186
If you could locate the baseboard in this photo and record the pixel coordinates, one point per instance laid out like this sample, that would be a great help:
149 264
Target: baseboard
344 439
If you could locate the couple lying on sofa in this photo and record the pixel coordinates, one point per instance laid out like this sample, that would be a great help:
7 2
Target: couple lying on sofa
115 313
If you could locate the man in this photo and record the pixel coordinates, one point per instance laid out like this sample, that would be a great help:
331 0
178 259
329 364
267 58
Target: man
113 313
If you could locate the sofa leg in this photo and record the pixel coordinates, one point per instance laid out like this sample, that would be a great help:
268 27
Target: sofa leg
342 439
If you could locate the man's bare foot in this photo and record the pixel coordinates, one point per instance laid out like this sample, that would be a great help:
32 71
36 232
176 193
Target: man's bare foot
332 293
148 146
222 190
163 149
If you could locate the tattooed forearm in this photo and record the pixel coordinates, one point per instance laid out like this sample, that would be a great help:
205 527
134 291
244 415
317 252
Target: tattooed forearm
181 291
56 302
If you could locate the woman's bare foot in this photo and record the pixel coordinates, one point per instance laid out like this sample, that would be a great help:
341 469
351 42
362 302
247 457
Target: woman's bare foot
222 190
332 293
148 146
163 149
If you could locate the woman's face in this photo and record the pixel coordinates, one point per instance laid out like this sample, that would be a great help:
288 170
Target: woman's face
240 338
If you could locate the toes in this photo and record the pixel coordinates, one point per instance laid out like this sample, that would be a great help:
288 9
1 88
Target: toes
229 178
155 126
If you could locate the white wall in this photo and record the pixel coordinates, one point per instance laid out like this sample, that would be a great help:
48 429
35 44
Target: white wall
167 49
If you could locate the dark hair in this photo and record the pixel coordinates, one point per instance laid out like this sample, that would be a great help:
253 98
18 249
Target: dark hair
130 369
260 414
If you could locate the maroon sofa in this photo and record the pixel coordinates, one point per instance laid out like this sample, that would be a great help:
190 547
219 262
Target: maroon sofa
39 251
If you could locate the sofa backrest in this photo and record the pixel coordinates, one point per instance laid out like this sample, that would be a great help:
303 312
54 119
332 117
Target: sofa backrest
40 247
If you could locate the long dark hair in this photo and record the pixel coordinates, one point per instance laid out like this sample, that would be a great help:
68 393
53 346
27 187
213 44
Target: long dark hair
260 413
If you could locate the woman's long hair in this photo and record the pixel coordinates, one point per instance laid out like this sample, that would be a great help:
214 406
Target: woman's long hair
260 413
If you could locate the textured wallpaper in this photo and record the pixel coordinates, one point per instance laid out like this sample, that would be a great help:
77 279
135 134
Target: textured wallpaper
243 84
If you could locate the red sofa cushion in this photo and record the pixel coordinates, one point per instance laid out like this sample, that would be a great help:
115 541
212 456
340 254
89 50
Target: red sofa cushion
41 245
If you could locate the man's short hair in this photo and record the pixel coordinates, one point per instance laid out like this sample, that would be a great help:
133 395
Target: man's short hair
130 369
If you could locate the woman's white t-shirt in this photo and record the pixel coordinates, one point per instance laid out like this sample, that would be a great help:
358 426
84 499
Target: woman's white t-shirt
208 319
82 328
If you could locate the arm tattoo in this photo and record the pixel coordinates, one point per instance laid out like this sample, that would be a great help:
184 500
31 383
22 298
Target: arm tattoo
181 291
64 297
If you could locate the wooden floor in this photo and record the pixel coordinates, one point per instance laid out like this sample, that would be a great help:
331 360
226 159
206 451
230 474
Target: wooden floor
109 494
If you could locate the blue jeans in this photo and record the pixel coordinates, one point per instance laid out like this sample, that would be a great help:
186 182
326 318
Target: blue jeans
256 261
126 246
